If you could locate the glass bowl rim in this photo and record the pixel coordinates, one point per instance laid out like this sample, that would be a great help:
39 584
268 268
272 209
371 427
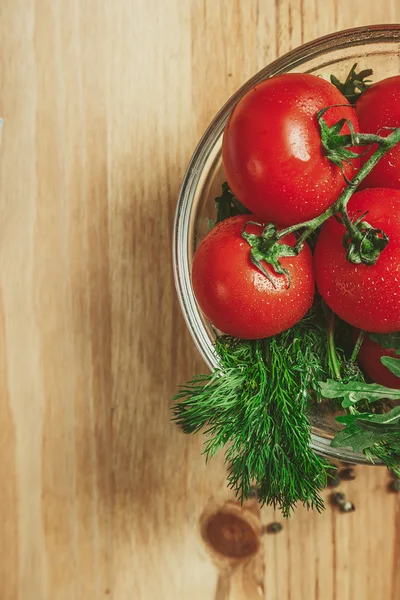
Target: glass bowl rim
385 33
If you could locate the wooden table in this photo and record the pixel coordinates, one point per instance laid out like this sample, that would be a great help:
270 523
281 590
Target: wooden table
103 102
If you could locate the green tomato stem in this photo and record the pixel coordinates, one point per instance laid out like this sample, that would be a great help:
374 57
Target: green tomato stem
348 224
360 139
340 206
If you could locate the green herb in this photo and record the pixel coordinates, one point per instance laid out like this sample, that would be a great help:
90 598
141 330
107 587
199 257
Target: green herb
376 435
387 340
393 364
342 368
354 391
355 83
389 454
364 430
358 344
227 205
255 406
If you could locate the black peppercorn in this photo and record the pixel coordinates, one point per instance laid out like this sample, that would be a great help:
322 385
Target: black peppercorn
274 527
348 474
395 485
338 498
347 507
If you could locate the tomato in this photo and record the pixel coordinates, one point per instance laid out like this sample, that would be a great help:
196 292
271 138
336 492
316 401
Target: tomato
272 152
236 296
367 297
379 107
370 355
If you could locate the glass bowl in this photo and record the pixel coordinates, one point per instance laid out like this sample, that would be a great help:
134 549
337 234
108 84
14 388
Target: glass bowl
375 47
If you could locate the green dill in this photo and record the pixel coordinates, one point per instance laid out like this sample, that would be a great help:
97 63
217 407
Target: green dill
389 454
255 408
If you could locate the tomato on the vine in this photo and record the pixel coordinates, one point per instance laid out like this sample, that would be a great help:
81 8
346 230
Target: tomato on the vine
365 296
272 152
377 108
236 296
370 355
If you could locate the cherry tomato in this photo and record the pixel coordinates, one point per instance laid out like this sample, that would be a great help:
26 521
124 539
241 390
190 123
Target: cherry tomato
370 355
272 152
379 107
236 296
367 297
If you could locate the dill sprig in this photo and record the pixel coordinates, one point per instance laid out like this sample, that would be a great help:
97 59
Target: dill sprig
255 407
389 454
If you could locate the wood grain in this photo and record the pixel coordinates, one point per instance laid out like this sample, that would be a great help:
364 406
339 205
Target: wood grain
103 103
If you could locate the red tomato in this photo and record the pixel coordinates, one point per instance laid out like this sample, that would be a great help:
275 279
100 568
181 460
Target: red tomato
370 355
379 107
236 296
272 153
367 297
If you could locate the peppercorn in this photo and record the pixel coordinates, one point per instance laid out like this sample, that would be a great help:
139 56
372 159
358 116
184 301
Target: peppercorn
347 507
395 485
338 498
348 474
274 527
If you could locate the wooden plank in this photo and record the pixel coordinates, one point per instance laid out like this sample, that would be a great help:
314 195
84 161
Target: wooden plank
103 498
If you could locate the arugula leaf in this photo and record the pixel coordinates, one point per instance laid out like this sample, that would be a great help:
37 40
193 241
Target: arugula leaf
371 420
364 430
353 437
390 419
360 439
354 391
387 340
393 364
